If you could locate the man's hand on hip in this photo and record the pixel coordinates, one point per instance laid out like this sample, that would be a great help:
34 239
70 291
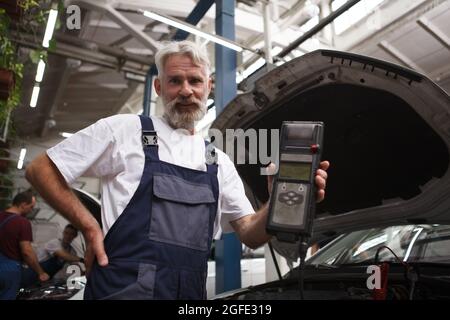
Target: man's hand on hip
95 248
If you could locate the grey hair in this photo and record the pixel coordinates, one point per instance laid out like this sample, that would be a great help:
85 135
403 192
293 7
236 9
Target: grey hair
197 53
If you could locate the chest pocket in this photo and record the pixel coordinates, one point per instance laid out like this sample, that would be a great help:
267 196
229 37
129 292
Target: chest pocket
180 212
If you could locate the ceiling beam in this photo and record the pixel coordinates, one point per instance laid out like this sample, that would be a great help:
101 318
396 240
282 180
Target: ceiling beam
59 92
112 59
388 29
400 56
120 19
434 31
124 96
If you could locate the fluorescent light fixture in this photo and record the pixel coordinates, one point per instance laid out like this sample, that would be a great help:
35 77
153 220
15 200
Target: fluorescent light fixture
34 96
191 29
40 71
135 77
50 28
66 134
253 67
23 152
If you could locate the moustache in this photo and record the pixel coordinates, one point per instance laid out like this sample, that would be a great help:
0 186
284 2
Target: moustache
185 101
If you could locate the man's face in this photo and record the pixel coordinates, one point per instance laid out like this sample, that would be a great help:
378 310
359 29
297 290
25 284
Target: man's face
184 88
68 235
27 208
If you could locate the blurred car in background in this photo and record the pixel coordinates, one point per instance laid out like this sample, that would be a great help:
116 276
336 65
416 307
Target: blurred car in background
419 270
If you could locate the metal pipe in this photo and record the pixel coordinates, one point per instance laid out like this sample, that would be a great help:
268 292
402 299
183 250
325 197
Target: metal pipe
267 33
88 56
108 50
287 18
228 250
322 23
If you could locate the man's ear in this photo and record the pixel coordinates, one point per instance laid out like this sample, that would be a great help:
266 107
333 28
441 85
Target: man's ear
157 84
209 85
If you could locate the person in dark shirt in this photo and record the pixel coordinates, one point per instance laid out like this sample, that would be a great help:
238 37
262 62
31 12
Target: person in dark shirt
15 245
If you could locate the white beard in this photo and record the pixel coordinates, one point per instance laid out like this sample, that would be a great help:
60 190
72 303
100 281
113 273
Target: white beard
184 120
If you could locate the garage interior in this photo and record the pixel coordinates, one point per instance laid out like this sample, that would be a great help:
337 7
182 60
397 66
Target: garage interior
101 63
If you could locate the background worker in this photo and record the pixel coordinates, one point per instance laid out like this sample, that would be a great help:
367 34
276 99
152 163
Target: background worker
55 255
15 245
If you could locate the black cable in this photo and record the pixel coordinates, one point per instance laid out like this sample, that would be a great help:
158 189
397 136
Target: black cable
272 252
410 274
393 253
303 248
275 262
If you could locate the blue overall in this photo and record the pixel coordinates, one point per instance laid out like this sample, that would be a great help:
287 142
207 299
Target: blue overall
159 246
9 272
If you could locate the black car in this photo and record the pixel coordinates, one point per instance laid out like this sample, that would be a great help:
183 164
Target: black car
387 137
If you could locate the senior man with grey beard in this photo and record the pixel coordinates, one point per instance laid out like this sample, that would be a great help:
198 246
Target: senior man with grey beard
162 202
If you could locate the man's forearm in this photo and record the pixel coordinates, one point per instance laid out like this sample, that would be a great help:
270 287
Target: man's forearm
252 228
48 181
67 256
32 261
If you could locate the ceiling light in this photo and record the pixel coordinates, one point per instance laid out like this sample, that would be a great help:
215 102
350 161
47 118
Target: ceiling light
40 71
23 152
191 29
66 134
50 28
34 96
135 77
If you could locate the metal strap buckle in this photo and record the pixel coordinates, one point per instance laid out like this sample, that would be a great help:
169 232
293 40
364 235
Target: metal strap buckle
149 138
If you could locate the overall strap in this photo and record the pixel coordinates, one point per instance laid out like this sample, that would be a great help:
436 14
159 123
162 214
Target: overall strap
149 138
4 222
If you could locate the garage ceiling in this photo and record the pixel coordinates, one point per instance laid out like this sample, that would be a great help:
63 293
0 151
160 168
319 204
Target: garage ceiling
85 80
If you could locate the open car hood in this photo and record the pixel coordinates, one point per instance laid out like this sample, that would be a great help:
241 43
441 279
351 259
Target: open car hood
387 137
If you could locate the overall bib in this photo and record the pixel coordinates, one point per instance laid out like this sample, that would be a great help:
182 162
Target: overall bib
159 246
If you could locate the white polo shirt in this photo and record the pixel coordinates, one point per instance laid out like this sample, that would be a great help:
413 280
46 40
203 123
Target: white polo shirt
111 149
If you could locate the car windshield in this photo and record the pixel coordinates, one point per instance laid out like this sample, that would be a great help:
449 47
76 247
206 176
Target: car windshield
411 243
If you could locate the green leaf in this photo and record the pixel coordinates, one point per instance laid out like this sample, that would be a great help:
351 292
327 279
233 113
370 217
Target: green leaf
61 6
35 56
52 45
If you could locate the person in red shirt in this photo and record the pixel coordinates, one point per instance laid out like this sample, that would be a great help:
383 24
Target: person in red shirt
15 245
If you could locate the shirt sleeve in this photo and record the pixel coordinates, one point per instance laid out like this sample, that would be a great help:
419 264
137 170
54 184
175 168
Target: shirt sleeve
234 203
89 152
25 233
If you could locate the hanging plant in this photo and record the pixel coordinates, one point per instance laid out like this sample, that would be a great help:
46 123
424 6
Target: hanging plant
28 17
6 83
10 69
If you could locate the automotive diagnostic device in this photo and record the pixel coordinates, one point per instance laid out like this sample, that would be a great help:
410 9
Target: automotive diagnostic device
293 199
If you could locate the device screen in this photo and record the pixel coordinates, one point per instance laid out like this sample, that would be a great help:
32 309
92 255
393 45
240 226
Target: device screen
295 170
